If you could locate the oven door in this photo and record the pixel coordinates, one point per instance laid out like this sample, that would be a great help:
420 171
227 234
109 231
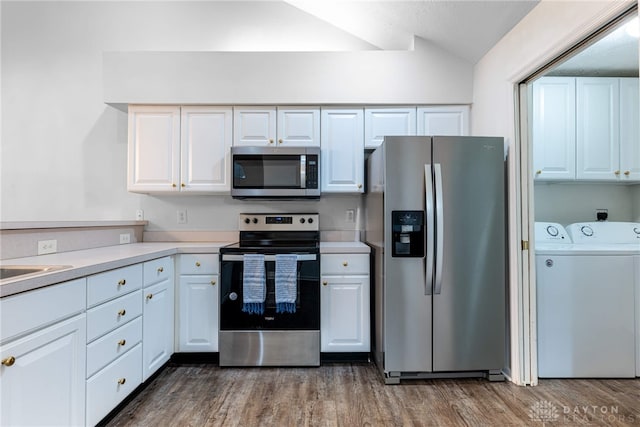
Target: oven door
307 312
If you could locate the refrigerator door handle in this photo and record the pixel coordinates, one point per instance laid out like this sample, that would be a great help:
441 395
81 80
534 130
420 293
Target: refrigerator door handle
429 208
439 252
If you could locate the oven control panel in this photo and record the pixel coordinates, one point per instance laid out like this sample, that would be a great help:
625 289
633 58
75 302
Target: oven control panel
278 222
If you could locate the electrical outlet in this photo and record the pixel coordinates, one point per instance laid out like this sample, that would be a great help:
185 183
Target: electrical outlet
47 247
182 216
350 215
139 215
602 214
125 238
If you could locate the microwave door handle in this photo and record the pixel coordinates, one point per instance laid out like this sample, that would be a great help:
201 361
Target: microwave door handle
303 171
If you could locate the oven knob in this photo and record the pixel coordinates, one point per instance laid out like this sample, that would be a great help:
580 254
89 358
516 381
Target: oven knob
301 220
310 220
233 296
254 220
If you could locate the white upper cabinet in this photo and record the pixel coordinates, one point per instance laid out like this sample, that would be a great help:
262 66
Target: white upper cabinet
629 130
381 122
282 126
553 129
597 128
205 149
173 149
298 127
154 148
451 120
342 143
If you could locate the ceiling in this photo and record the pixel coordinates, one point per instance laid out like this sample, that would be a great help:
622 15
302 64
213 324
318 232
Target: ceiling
467 28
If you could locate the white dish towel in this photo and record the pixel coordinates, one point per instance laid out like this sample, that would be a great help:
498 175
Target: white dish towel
253 284
286 283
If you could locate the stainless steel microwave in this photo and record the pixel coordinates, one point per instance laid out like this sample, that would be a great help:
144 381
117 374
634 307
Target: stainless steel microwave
275 172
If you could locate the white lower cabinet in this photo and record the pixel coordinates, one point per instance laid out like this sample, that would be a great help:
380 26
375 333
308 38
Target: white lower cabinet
198 305
344 300
42 376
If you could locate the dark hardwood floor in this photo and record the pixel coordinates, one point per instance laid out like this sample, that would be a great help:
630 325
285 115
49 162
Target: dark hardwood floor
353 394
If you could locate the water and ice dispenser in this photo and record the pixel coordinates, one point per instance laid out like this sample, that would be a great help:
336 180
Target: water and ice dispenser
407 234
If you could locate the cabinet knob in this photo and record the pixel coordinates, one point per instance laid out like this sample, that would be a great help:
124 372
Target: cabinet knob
359 186
173 185
122 282
325 283
538 172
270 141
122 381
160 270
627 173
617 173
122 342
213 283
345 263
122 312
9 361
150 296
182 185
197 264
280 141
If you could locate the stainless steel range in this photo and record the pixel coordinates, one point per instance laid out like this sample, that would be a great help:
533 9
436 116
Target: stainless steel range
270 292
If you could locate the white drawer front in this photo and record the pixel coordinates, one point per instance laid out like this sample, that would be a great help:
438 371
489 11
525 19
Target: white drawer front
111 385
105 350
344 264
199 264
113 314
111 284
41 307
157 270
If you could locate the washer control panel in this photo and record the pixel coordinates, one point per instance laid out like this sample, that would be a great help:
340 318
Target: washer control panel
604 232
551 232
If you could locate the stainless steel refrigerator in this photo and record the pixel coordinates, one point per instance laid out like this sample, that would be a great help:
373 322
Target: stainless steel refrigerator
435 217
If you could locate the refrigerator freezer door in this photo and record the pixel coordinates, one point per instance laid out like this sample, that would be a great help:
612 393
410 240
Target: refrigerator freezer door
469 313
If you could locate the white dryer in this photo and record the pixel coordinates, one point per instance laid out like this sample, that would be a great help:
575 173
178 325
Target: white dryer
585 303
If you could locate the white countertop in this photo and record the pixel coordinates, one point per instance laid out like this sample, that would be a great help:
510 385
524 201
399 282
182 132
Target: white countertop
91 261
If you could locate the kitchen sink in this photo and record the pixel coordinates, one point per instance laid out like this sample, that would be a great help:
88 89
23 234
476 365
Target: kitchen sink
13 271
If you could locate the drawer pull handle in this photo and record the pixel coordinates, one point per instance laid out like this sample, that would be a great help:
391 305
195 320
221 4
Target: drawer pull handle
345 263
160 270
325 283
150 296
122 282
122 342
9 361
213 283
122 381
197 264
122 312
538 172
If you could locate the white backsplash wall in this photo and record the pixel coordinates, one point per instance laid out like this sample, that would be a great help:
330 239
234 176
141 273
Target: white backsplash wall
567 203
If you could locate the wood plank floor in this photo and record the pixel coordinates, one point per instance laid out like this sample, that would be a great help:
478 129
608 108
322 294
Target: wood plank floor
353 394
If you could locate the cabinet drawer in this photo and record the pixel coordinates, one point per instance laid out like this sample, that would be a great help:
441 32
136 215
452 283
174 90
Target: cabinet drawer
38 308
344 264
111 284
105 350
199 264
113 314
157 270
110 386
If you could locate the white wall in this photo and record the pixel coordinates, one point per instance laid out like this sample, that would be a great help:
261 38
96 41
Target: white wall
64 151
635 203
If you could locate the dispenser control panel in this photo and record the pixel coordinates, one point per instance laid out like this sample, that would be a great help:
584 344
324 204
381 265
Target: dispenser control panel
407 234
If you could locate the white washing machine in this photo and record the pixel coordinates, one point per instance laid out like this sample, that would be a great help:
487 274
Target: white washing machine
585 302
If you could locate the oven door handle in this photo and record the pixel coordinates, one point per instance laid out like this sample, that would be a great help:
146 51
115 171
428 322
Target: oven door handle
240 257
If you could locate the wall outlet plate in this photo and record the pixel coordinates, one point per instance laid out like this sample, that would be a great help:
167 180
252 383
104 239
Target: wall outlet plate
139 215
47 247
125 238
182 216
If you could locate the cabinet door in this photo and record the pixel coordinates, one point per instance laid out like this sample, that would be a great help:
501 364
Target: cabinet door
381 122
154 148
298 127
342 143
597 128
345 319
198 314
157 327
629 130
205 149
45 385
254 126
444 120
553 129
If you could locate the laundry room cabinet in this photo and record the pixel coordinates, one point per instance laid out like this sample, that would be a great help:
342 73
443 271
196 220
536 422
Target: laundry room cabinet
629 130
